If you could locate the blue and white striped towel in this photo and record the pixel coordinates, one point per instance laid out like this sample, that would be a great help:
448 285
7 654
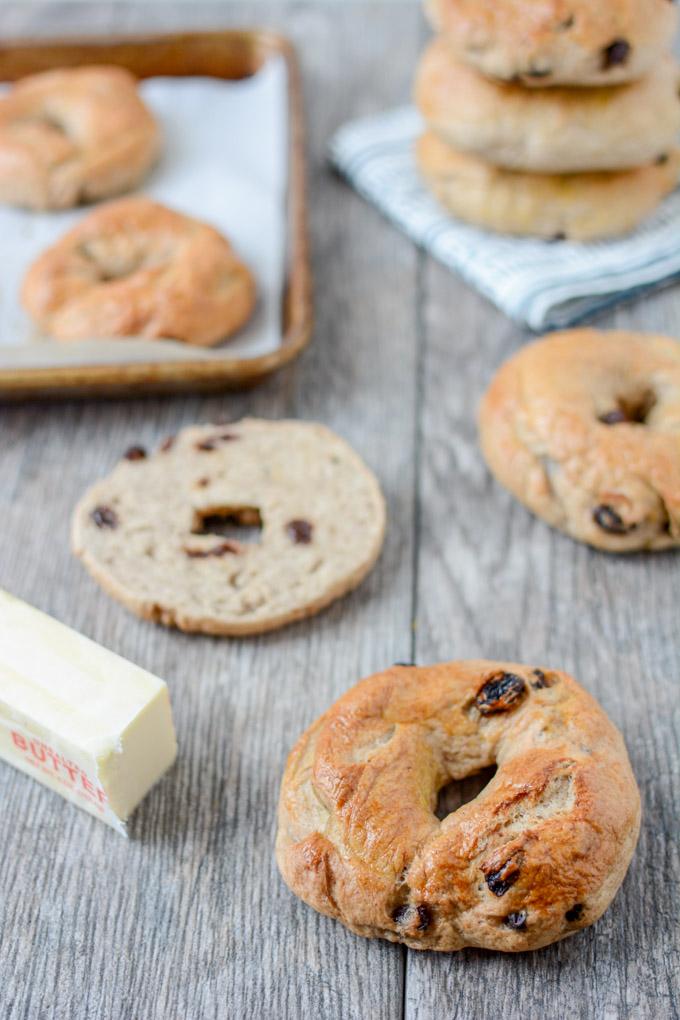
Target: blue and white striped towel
544 285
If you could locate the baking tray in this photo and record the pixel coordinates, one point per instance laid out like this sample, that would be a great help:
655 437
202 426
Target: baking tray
222 54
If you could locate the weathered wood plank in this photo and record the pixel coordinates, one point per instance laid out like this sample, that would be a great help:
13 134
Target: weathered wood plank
493 581
190 918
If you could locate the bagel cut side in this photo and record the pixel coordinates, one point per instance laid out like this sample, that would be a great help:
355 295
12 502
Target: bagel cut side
538 855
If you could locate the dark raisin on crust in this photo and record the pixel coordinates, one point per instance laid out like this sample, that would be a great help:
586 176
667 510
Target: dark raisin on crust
406 915
135 453
500 693
615 417
400 914
616 53
568 23
542 680
662 159
104 517
575 913
607 518
517 920
424 917
222 549
300 531
500 880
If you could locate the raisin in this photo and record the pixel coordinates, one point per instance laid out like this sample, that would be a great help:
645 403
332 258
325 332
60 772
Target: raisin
500 693
615 417
662 159
217 550
135 453
400 914
614 54
568 23
517 920
608 519
300 531
104 517
538 72
202 483
424 917
503 878
213 441
575 914
542 680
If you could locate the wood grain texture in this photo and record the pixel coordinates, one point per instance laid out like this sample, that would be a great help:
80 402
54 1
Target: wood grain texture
189 919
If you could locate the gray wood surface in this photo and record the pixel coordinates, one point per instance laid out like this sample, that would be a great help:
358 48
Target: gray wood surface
189 919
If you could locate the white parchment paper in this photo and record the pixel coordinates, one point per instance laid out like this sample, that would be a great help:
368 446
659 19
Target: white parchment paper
224 161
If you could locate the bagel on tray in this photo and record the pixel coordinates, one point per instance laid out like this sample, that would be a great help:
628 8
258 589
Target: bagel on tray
74 135
136 268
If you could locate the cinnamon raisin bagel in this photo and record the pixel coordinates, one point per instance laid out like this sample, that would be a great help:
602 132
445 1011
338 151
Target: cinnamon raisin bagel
136 268
558 42
573 207
539 854
75 135
583 428
558 130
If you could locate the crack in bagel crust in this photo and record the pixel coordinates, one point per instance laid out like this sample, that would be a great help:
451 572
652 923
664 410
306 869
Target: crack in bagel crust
583 428
359 840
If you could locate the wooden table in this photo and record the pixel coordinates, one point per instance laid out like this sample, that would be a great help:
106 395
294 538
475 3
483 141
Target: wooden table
189 919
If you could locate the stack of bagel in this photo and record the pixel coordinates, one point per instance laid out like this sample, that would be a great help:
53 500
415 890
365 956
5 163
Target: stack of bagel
556 119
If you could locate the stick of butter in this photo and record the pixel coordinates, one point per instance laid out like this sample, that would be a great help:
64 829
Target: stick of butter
88 724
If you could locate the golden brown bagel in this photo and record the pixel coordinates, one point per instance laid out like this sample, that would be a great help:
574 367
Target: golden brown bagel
558 130
73 136
575 207
537 855
135 268
584 429
558 42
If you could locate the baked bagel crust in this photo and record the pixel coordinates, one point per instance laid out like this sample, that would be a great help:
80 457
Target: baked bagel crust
136 268
537 855
558 42
71 136
578 207
558 130
584 429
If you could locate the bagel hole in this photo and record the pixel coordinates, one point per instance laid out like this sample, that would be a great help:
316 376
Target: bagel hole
238 523
632 408
462 791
